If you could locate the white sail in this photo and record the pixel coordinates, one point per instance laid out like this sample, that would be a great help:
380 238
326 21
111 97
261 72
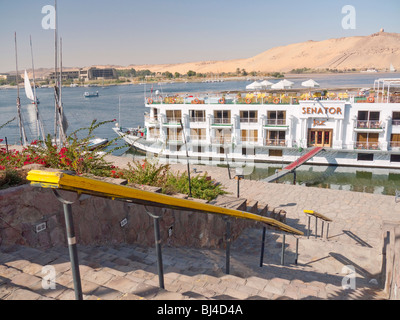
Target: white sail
392 69
28 88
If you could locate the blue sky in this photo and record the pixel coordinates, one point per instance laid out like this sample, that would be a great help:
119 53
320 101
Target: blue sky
127 32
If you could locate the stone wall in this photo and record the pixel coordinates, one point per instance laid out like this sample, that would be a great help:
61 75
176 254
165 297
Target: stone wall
98 222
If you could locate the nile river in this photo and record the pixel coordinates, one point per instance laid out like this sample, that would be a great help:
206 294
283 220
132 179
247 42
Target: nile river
126 104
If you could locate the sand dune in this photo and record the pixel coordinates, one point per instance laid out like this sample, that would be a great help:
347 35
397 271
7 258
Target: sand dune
378 51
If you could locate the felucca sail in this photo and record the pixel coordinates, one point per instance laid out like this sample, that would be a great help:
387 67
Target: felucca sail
28 88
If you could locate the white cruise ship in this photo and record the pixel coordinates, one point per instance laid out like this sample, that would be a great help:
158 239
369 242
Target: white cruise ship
321 127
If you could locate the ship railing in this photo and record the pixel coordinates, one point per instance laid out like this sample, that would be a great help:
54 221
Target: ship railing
173 120
366 145
248 120
221 121
198 137
249 139
395 144
276 142
275 122
150 119
198 119
221 140
369 124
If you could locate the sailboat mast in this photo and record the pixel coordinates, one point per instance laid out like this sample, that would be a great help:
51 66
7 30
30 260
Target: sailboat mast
55 74
22 133
39 125
60 105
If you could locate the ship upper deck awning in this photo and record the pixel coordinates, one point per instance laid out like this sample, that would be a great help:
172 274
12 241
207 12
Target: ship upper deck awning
70 182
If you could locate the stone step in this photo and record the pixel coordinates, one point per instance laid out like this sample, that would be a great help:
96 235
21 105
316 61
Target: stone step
129 272
230 202
252 206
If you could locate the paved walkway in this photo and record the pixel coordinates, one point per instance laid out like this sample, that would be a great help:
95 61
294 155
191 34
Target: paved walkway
129 272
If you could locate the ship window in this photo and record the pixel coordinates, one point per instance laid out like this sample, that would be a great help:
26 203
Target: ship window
249 135
198 134
365 157
275 153
197 115
396 118
276 118
368 115
174 115
248 116
198 149
395 158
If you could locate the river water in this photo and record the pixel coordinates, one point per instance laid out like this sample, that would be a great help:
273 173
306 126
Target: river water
125 103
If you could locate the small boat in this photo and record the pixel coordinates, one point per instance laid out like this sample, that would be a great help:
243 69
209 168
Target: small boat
97 143
391 68
91 94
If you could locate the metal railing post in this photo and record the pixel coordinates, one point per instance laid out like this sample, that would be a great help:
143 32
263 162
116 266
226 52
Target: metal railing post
72 248
73 252
308 229
157 240
283 250
297 251
262 247
228 246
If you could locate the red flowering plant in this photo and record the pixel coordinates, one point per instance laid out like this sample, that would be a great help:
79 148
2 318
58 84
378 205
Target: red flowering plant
76 154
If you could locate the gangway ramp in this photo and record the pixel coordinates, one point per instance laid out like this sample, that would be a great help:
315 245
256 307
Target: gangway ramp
294 165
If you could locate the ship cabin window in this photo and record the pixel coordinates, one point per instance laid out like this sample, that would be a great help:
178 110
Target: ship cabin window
395 158
275 152
155 113
275 138
368 141
248 151
368 119
222 136
249 135
276 118
222 116
365 157
396 118
198 134
197 115
174 115
221 150
154 133
199 149
249 116
174 134
395 140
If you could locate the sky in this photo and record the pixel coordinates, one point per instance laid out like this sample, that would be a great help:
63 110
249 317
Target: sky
125 32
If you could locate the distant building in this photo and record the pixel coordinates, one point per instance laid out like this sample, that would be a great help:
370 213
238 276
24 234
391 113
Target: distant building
9 77
85 74
66 75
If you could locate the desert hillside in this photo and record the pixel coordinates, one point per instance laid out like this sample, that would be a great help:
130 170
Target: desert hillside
378 51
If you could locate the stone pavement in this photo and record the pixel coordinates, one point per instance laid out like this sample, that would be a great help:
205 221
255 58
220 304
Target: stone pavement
129 271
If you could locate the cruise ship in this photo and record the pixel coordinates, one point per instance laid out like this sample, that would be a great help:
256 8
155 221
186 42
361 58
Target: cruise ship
345 128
